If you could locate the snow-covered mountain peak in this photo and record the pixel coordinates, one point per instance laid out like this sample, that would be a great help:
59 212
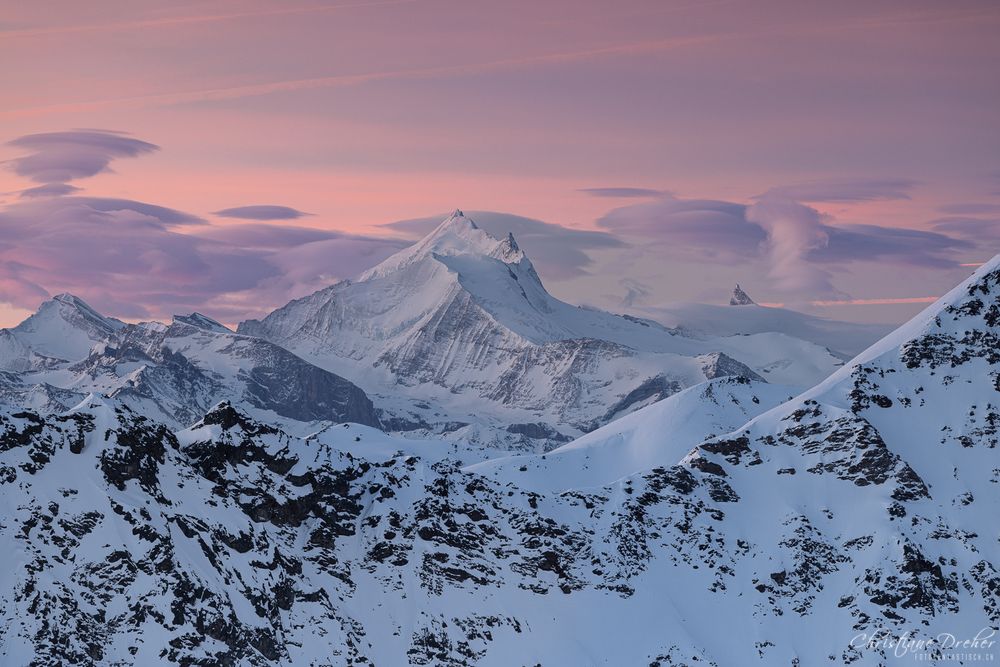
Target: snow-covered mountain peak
456 235
74 309
458 330
65 327
458 217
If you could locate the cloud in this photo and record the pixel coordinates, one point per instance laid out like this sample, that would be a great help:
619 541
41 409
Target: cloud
49 190
800 246
848 190
914 247
971 208
58 157
977 230
314 265
100 247
700 228
623 192
169 21
558 252
260 235
635 291
345 80
137 260
262 212
154 214
307 256
133 259
794 231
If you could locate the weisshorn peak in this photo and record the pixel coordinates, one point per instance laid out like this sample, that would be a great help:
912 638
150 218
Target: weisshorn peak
457 337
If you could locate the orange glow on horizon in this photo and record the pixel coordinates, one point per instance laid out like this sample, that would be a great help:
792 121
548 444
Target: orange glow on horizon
886 301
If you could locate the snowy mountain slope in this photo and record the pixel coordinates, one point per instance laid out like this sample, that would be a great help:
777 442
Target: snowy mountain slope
460 322
660 434
173 373
65 328
819 532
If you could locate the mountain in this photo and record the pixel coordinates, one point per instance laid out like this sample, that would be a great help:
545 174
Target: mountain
740 298
852 524
173 373
65 328
453 337
457 333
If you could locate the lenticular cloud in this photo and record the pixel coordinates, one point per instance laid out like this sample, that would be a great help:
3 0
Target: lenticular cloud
58 157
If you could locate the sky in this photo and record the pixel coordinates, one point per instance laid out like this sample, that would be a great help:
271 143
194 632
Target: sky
227 155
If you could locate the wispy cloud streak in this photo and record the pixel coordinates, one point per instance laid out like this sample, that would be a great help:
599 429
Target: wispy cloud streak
340 80
169 21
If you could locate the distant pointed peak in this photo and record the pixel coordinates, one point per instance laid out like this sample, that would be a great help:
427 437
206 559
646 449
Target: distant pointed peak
741 298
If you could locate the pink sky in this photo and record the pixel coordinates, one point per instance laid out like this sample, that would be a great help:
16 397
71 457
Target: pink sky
366 113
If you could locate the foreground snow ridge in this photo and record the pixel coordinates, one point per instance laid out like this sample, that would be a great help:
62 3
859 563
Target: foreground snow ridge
723 526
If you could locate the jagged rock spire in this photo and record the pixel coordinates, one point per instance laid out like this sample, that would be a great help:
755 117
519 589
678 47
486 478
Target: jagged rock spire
741 298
